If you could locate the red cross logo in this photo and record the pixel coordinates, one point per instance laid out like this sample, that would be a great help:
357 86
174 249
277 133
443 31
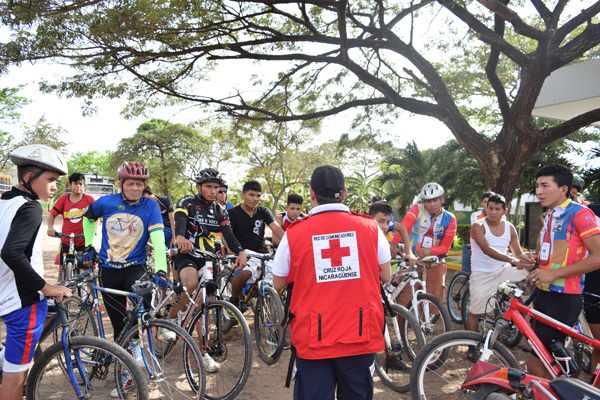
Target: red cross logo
335 252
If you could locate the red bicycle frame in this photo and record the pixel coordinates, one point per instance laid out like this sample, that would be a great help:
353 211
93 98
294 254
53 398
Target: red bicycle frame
515 313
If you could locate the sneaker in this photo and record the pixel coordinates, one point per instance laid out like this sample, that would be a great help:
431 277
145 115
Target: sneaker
126 384
287 345
472 354
168 334
527 347
210 365
136 352
239 303
395 362
273 338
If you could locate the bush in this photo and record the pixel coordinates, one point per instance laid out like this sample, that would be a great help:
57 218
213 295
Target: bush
463 233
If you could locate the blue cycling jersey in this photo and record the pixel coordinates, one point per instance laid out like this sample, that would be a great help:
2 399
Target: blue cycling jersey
125 229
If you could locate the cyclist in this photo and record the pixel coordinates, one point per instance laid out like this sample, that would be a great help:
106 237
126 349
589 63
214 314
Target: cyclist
576 195
197 219
167 212
293 211
23 290
432 230
129 220
335 260
248 222
72 207
490 237
222 197
568 231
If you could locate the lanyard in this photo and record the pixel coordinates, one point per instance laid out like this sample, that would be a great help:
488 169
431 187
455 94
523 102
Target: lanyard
546 250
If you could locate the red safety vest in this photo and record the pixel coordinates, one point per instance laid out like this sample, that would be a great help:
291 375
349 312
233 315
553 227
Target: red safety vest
336 300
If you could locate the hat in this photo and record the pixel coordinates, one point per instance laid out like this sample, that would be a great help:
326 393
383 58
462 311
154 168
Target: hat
328 181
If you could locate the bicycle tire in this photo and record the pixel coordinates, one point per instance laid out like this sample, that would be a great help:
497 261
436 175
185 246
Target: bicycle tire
224 290
105 363
232 352
268 314
399 338
439 319
442 365
176 368
454 294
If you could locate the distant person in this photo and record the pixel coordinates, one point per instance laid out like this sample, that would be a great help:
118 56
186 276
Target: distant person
71 206
222 197
576 190
293 211
477 215
23 290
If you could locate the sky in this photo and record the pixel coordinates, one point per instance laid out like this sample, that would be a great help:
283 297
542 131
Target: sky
103 130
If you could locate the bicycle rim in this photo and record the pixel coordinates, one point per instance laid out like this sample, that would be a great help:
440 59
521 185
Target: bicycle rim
402 342
175 369
104 365
267 326
442 366
432 315
232 350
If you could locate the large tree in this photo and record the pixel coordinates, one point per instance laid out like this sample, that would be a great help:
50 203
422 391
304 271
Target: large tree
381 56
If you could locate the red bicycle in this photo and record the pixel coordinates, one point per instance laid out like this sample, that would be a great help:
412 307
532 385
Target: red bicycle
447 367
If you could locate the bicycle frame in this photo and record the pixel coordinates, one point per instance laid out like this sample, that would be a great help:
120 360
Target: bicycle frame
411 277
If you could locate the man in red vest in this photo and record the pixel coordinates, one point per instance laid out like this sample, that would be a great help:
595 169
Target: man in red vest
335 259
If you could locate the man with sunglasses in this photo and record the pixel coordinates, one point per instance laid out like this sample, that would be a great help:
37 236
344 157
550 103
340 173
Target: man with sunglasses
222 197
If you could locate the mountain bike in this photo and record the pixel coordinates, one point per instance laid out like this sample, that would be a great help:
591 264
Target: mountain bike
81 367
459 285
450 370
70 263
217 326
174 366
268 308
427 309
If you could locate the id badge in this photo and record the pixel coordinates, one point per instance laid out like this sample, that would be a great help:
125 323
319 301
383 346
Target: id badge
427 242
545 252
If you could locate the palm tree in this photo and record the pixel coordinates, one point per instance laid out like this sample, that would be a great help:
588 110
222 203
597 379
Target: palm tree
360 190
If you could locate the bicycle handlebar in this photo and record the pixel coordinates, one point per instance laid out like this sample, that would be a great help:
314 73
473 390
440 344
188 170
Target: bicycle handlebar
61 235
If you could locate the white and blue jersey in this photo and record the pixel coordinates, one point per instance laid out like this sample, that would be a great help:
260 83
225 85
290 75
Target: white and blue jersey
125 229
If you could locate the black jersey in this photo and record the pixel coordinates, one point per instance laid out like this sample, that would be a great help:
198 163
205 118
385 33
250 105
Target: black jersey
198 221
166 206
250 230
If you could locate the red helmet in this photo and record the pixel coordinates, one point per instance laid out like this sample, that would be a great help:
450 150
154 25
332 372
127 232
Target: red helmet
133 170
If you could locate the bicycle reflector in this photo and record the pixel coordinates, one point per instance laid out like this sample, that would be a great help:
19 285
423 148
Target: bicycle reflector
511 374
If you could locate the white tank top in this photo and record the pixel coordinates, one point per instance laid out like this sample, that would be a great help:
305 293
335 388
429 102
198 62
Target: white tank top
482 262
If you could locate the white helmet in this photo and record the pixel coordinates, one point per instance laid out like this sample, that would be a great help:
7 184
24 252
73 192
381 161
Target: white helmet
41 156
431 190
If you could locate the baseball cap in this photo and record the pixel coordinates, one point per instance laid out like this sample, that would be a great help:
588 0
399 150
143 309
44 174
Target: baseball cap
328 181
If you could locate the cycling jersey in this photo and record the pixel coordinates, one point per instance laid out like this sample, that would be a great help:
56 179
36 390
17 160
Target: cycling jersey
72 214
21 262
436 232
562 243
198 222
287 222
166 206
125 229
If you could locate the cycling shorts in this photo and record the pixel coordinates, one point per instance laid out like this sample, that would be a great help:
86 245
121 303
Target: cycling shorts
591 304
23 330
560 306
183 260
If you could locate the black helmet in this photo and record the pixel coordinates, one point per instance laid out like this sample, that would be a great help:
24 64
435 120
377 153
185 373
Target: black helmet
578 183
209 175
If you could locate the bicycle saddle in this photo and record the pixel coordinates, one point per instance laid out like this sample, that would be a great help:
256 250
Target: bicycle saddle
573 389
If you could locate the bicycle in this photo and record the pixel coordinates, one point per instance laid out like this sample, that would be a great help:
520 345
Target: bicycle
170 363
449 369
231 348
268 308
70 263
427 309
457 288
79 367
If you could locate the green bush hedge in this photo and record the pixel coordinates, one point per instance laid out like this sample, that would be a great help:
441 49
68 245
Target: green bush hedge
463 233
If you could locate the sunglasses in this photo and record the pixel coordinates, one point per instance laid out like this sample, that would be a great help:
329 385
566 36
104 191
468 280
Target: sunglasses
222 191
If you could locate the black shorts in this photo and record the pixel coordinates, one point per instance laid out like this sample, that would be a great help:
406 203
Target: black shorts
562 307
591 304
183 260
64 249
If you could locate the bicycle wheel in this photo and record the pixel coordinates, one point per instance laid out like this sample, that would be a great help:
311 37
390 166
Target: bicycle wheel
224 290
454 294
443 365
403 336
175 366
232 350
268 314
102 364
432 315
464 307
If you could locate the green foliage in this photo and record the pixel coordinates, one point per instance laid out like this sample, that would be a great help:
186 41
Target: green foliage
463 234
91 161
360 191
